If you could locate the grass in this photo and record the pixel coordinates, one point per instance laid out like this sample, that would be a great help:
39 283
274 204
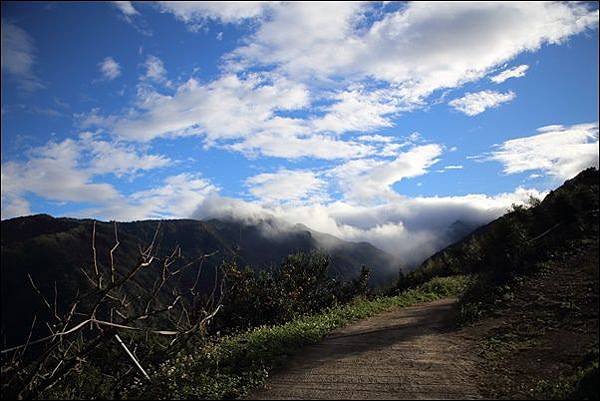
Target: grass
229 367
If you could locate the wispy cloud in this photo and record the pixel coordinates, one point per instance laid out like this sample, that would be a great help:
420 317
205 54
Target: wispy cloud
109 68
476 103
126 7
557 150
18 56
155 69
515 72
129 14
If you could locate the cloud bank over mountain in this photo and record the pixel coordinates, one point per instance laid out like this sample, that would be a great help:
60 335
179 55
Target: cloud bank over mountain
317 109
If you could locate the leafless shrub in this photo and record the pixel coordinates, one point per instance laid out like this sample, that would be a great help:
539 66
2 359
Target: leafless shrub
107 317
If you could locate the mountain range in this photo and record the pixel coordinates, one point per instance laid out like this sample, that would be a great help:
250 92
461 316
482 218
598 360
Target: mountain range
54 250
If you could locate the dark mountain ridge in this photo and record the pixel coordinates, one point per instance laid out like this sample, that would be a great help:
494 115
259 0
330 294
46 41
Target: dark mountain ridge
566 215
53 250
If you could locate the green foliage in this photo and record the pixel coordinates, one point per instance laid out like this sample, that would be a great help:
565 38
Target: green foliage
516 243
55 249
221 365
228 367
300 286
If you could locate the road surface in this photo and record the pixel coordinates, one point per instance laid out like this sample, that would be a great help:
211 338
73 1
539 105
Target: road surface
406 353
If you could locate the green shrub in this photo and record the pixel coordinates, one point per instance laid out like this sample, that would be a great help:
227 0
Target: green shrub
300 285
230 366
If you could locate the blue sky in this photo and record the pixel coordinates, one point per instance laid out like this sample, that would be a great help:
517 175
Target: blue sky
383 122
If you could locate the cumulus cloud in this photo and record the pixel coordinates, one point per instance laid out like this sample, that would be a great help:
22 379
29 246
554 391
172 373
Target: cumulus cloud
117 158
380 69
196 13
367 180
418 49
287 143
13 206
227 108
243 113
515 72
18 56
177 197
109 68
476 103
301 37
557 150
355 110
287 186
67 171
52 172
239 113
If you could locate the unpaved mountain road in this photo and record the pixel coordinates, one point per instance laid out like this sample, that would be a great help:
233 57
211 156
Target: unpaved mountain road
406 353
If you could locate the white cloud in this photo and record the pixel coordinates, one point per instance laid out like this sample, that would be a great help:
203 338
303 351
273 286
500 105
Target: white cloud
380 69
195 13
68 170
53 172
375 138
301 37
453 167
515 72
228 108
238 113
13 206
472 104
421 48
293 146
178 197
355 110
559 151
368 180
126 8
409 228
18 56
241 113
117 158
155 69
109 68
287 186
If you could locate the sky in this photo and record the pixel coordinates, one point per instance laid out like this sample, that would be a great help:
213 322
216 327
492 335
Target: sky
379 121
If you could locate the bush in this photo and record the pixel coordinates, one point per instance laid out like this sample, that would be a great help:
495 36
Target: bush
300 286
230 366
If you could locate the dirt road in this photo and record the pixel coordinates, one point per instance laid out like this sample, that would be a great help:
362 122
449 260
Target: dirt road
407 353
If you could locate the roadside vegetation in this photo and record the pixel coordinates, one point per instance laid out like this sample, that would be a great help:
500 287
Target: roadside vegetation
228 367
206 345
533 297
527 285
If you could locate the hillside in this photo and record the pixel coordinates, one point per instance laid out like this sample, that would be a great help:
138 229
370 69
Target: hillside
532 307
54 249
507 245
